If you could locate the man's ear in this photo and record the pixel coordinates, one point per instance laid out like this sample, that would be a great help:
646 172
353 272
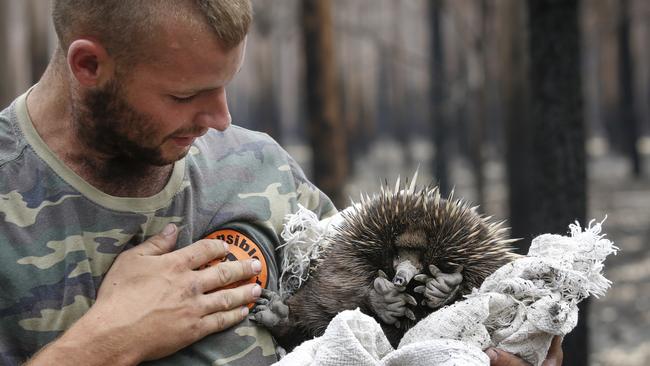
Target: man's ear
89 62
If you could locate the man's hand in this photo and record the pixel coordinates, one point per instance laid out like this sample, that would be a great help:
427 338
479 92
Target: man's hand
502 358
153 302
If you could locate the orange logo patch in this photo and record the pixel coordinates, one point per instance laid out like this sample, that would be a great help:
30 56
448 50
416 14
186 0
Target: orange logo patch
241 247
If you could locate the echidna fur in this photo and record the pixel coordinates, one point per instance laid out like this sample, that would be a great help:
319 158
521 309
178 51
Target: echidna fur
343 275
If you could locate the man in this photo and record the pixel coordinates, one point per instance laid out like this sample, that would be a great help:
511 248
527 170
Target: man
103 153
114 167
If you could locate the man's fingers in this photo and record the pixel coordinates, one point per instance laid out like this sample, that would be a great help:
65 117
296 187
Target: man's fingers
225 273
201 252
159 244
555 354
502 358
217 322
229 299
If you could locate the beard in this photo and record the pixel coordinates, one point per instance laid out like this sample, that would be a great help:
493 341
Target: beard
106 123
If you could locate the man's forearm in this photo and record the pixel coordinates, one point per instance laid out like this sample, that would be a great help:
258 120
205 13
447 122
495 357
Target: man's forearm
88 346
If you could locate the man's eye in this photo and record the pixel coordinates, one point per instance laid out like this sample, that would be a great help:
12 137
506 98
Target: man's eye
178 99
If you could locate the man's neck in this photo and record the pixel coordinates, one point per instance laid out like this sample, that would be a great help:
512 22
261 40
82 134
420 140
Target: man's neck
49 107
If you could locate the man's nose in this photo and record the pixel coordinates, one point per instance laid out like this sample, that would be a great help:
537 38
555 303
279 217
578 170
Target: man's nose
215 113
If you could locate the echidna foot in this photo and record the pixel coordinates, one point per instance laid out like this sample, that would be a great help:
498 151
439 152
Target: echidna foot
390 302
270 311
440 288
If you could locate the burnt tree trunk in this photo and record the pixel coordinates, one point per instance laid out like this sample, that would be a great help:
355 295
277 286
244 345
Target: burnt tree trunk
514 89
326 131
478 104
266 106
558 184
626 103
398 89
38 14
437 82
17 63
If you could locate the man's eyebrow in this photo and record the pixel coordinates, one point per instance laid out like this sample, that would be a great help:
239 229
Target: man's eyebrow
198 90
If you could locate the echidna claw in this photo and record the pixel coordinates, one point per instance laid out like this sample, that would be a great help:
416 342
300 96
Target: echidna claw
409 314
382 274
424 302
419 289
434 270
411 300
421 277
259 308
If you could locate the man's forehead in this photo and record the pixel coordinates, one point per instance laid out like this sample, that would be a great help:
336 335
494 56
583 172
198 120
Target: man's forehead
193 65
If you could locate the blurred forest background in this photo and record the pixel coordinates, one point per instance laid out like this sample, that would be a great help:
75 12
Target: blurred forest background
537 110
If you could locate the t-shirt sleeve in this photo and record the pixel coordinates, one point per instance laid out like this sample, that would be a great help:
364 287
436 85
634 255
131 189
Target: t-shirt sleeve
308 195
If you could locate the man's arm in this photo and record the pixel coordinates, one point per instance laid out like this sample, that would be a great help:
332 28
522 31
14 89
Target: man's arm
153 302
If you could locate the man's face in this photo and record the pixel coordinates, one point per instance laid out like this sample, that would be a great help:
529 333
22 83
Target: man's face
107 124
152 115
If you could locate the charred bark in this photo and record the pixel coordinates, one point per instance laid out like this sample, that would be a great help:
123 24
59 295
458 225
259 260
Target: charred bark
437 82
627 110
558 175
326 130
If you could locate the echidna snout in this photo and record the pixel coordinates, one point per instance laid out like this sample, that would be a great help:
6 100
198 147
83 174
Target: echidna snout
407 263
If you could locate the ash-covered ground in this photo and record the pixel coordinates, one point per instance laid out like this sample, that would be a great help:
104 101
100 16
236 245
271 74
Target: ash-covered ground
620 321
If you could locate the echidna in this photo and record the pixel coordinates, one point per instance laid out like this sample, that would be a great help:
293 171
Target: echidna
399 256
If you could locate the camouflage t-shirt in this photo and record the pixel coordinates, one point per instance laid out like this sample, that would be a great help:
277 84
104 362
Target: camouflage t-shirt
59 235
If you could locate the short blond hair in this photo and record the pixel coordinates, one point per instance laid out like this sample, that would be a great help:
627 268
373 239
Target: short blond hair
122 26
